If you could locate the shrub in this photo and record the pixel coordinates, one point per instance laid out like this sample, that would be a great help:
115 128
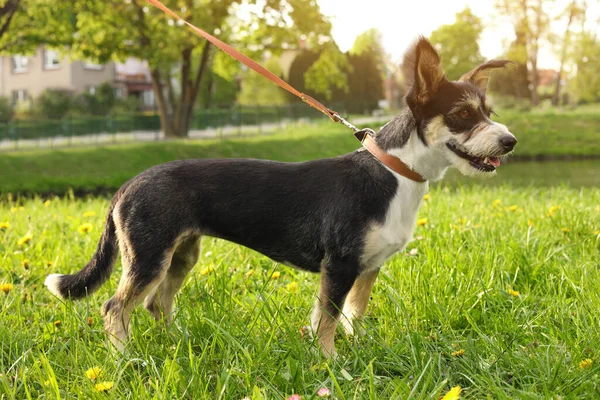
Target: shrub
53 104
6 109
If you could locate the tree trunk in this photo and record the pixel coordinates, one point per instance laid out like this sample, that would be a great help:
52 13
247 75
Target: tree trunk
164 111
535 97
176 111
563 57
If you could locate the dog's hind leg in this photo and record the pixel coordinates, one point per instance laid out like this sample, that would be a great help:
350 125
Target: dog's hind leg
160 302
145 265
337 278
357 300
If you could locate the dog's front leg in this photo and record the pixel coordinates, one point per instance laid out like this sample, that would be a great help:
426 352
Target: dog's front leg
337 278
356 302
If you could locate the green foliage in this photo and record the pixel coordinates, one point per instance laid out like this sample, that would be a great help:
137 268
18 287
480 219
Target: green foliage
6 109
35 22
458 44
328 71
256 90
53 104
586 85
127 105
367 59
370 43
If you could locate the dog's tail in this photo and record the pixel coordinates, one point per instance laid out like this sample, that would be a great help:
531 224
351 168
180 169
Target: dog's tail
96 272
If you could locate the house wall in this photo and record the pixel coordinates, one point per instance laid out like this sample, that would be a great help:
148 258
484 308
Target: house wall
82 78
36 78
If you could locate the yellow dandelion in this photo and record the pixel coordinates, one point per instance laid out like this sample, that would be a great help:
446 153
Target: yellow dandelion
4 226
250 273
426 197
84 228
14 209
585 363
25 263
421 221
453 394
497 202
207 270
25 239
597 232
513 293
89 214
47 203
292 287
6 287
21 208
530 223
103 386
462 221
275 275
565 230
552 210
94 373
57 323
69 217
513 208
458 353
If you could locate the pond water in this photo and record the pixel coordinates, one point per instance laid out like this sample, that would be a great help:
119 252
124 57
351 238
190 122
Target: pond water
580 173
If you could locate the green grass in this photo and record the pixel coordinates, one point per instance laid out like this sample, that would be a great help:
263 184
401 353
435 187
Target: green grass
237 334
541 133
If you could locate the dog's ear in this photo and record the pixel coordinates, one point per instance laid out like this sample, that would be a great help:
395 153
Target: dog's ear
481 75
423 72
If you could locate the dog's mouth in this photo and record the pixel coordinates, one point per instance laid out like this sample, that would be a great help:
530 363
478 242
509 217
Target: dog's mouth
486 164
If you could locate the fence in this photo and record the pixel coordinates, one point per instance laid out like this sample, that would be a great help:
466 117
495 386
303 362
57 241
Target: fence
204 119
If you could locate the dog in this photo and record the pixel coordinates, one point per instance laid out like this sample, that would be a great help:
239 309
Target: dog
342 216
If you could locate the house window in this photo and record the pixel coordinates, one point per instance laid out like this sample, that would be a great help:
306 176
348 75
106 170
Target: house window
91 65
91 90
51 59
20 64
119 92
19 96
148 98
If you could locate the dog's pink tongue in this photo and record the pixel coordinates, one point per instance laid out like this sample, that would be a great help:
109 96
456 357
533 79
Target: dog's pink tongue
495 161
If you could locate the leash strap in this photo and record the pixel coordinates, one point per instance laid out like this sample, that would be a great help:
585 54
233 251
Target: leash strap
364 135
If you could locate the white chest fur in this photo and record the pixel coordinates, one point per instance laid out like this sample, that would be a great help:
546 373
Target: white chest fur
384 239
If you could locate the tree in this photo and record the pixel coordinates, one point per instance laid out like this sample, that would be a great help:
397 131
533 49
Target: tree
513 81
178 58
26 24
458 43
256 90
586 85
572 12
531 22
328 72
367 60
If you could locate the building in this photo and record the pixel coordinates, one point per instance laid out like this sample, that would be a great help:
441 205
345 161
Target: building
23 78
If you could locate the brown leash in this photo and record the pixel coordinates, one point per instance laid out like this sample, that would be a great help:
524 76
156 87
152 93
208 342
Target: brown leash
394 163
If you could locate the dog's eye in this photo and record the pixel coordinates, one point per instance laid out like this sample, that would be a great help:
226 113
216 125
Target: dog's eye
465 114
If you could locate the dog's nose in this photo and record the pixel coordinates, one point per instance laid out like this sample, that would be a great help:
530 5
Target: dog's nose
508 142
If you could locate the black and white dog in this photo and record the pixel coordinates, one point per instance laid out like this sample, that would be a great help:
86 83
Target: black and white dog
342 216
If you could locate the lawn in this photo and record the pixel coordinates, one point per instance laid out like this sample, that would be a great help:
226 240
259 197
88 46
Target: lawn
499 294
548 134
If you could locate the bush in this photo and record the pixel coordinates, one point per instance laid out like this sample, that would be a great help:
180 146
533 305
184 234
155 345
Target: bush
6 109
53 104
127 105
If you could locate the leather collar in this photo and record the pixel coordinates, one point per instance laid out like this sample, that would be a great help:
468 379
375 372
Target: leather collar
390 161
